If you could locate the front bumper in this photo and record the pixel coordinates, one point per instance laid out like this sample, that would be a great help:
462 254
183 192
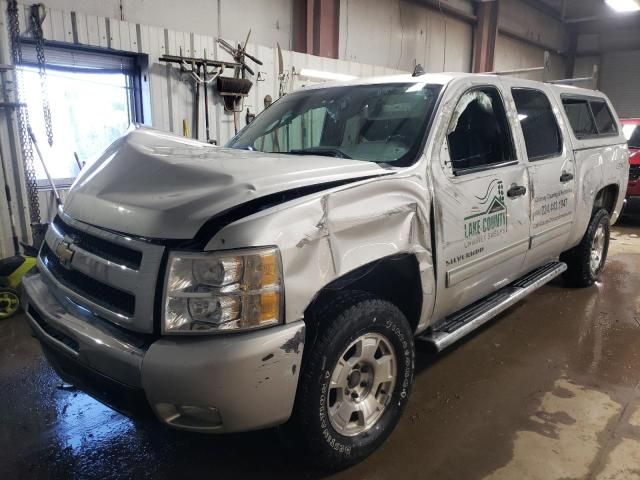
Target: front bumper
225 383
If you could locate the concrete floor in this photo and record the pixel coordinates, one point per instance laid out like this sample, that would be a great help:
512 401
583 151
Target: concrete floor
549 390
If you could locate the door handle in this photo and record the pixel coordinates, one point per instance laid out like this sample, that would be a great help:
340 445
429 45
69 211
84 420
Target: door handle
565 177
516 191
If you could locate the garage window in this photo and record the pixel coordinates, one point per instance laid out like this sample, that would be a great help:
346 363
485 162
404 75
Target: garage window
93 97
479 136
539 126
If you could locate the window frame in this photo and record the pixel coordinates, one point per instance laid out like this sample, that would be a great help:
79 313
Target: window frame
483 168
133 79
588 99
555 117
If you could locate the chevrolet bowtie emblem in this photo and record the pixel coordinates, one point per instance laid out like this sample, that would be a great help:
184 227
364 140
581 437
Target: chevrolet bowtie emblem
64 253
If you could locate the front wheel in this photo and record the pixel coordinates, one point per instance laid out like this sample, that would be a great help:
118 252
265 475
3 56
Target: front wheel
355 382
586 260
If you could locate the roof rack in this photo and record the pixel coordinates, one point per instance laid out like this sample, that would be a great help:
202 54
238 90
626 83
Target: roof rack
569 81
543 68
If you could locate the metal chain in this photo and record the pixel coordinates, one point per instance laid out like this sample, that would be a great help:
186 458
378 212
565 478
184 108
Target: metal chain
23 116
36 32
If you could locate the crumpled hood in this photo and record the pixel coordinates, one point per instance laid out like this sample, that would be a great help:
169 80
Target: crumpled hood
158 185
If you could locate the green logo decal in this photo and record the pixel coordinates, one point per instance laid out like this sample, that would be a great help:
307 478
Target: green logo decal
490 217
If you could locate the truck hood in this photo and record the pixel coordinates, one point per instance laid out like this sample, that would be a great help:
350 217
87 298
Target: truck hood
158 185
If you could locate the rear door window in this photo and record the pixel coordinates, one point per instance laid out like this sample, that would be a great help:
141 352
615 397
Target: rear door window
539 126
580 117
604 120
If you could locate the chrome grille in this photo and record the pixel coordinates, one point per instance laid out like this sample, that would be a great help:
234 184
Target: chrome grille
113 276
107 250
109 297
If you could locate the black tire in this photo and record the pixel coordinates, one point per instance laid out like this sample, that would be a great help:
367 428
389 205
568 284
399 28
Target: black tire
337 323
579 272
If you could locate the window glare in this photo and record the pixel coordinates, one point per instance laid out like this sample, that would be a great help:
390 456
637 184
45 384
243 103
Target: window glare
628 130
88 112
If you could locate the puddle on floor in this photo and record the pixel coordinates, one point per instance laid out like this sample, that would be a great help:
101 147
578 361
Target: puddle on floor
562 439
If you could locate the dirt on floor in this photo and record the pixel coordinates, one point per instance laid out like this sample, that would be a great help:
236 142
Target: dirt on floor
549 390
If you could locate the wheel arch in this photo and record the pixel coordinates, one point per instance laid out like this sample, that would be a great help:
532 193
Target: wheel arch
607 198
395 278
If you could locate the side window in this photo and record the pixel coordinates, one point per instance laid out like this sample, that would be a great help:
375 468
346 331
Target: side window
479 133
539 126
589 116
579 116
604 120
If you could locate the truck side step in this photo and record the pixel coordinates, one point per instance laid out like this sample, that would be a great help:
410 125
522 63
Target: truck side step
464 321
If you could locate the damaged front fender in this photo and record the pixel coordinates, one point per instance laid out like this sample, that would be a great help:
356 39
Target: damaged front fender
325 236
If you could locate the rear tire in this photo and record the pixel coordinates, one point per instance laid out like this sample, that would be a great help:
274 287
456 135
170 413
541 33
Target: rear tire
355 382
586 260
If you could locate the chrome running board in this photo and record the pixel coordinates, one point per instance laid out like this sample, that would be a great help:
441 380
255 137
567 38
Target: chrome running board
464 321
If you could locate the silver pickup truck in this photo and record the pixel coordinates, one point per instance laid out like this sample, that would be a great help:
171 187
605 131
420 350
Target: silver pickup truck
282 280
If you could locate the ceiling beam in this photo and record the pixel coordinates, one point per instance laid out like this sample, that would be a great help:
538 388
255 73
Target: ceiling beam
447 9
605 17
546 9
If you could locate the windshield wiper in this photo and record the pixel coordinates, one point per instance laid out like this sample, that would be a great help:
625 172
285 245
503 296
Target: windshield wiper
325 151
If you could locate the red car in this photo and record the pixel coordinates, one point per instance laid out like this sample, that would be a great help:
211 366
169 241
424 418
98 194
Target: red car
631 129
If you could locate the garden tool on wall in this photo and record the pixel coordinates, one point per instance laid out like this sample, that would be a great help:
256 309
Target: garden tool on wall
234 89
202 71
199 74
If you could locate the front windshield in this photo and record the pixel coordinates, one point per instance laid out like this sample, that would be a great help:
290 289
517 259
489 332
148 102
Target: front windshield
382 123
632 134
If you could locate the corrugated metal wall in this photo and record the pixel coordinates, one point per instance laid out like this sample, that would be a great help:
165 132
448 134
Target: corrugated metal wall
513 54
270 20
536 33
395 33
619 80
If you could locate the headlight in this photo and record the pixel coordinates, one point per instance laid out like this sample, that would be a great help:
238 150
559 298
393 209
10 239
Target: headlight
222 291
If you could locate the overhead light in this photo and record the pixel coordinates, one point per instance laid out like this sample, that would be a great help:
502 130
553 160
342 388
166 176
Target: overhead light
307 72
624 5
